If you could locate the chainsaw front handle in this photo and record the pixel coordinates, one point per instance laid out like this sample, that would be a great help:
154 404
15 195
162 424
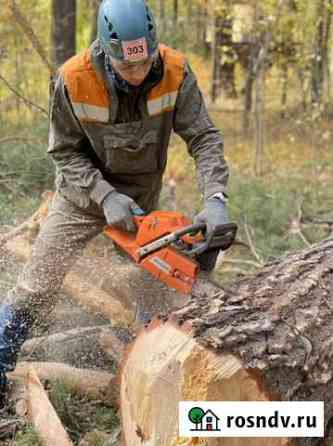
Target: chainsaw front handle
221 238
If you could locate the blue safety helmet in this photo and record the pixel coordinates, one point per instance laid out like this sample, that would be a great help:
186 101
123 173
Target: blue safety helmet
121 23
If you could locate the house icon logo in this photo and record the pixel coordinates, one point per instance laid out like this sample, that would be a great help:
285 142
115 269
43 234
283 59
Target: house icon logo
203 421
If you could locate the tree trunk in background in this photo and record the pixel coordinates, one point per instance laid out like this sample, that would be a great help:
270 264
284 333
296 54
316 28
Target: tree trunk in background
189 22
201 26
63 30
162 17
284 95
327 61
228 60
250 59
94 5
248 91
260 71
205 25
216 82
259 121
320 51
189 10
223 55
175 11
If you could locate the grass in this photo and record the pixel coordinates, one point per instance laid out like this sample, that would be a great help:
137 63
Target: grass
81 416
24 166
27 437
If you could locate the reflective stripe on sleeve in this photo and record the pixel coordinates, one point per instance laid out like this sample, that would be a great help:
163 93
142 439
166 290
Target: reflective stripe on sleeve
87 112
163 103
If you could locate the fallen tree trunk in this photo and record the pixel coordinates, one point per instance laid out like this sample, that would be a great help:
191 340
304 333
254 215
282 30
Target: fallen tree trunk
267 337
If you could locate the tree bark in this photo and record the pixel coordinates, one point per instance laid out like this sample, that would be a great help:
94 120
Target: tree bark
266 337
63 32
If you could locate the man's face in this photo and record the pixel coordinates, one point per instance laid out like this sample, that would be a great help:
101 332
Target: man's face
133 73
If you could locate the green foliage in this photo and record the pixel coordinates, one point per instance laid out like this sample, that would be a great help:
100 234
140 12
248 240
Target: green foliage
270 210
106 419
15 207
60 396
24 165
79 415
27 437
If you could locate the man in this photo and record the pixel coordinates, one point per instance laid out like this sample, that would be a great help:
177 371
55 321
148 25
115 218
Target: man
113 110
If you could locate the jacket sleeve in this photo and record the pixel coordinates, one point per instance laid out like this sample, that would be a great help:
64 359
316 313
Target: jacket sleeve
67 141
203 139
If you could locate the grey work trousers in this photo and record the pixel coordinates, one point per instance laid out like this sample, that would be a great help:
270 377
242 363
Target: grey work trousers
63 236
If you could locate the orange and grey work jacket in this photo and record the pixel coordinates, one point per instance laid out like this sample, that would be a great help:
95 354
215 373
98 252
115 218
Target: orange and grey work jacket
95 151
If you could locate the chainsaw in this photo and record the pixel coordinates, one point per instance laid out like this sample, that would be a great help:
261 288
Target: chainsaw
171 248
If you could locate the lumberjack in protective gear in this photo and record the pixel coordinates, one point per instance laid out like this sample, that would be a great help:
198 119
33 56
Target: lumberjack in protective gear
113 109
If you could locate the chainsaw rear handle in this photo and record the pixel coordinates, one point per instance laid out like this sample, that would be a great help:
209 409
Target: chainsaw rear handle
221 238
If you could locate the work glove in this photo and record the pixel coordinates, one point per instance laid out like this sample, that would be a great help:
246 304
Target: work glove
119 210
214 214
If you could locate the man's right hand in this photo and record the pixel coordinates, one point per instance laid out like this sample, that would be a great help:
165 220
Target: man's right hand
119 210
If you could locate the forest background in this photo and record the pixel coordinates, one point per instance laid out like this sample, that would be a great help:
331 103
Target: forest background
265 71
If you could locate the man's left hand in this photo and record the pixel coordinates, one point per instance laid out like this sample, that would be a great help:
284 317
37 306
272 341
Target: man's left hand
214 214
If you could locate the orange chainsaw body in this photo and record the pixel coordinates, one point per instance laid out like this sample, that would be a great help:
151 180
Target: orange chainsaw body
166 264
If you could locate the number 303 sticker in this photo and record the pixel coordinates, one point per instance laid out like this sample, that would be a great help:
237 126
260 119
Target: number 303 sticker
135 49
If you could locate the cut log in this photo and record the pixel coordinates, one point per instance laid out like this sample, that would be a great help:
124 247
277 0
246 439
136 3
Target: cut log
42 414
266 337
94 384
49 342
73 345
